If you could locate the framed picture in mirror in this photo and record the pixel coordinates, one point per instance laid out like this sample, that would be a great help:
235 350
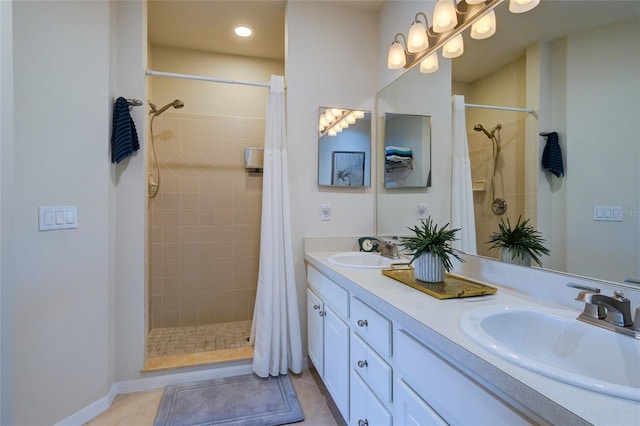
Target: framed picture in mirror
347 168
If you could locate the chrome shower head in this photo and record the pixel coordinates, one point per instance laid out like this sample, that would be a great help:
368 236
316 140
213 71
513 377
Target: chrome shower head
480 128
177 104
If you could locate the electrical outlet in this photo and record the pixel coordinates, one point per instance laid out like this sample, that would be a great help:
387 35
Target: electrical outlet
325 211
422 211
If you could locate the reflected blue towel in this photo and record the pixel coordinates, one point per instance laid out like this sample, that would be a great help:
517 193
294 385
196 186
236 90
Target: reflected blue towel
124 138
552 154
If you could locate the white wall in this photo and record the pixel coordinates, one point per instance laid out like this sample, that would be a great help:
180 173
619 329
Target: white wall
322 70
62 109
602 147
7 285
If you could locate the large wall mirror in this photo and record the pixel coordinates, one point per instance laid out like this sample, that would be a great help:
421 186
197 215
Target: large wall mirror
344 147
583 67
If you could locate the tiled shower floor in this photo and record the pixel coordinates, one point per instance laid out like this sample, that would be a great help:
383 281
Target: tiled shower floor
165 342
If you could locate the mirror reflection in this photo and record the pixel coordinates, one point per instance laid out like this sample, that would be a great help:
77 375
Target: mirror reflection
407 153
593 105
344 147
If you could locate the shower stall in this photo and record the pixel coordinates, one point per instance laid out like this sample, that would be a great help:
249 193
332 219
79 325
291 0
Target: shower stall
204 208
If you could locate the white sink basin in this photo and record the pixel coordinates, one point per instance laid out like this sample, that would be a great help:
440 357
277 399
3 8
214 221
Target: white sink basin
361 259
553 343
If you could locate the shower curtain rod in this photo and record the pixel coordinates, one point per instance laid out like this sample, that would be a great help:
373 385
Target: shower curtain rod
202 78
528 110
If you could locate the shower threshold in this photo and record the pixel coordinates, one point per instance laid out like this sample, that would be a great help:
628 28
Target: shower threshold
197 345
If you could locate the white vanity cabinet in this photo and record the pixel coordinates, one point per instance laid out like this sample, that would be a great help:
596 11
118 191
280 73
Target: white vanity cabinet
328 335
379 373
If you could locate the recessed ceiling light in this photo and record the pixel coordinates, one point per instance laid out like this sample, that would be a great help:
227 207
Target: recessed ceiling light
243 31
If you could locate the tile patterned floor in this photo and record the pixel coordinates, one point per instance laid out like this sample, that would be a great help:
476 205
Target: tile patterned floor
140 408
164 342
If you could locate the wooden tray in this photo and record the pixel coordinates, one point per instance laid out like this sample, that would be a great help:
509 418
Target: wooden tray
452 287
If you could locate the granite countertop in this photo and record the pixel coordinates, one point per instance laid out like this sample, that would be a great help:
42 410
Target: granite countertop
439 319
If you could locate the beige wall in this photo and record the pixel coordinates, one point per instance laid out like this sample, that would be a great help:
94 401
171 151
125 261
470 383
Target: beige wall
205 220
505 87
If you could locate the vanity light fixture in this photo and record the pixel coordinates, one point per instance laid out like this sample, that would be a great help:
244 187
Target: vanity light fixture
450 20
485 27
333 120
521 6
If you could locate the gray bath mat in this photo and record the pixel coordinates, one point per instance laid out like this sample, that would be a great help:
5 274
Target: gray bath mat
244 400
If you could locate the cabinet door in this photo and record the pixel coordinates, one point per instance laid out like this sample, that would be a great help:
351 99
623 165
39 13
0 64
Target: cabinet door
336 360
315 331
412 410
366 409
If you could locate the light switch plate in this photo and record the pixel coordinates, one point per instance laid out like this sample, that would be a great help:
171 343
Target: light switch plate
607 213
325 212
52 218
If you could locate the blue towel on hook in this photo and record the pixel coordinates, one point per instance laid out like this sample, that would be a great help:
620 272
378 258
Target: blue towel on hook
124 138
552 154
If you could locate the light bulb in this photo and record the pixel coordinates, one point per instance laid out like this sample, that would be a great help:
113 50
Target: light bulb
332 132
358 114
337 129
323 121
243 31
417 39
350 118
396 58
329 117
429 64
343 124
444 16
485 27
454 47
521 6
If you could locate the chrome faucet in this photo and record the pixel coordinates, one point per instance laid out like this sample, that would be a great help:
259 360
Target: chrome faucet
389 248
612 313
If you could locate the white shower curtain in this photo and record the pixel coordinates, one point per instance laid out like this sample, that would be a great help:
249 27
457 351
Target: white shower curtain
462 215
275 331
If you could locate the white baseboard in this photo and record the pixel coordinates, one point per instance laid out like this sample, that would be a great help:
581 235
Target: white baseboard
149 383
157 382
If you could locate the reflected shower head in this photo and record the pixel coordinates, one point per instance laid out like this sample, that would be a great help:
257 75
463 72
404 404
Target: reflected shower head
480 128
177 104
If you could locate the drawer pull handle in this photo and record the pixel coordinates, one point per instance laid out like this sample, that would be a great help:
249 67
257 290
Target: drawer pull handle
316 307
322 313
362 323
363 364
363 422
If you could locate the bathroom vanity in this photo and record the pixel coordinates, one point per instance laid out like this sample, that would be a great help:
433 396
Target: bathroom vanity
389 354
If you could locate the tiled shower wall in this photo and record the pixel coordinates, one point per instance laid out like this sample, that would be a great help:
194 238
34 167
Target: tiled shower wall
509 179
205 220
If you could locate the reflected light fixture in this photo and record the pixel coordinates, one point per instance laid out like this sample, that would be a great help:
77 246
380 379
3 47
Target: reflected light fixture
333 120
450 20
243 31
521 6
454 47
485 27
429 64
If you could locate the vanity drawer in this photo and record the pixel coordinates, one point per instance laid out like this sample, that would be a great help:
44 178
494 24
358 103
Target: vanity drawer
332 294
366 409
457 398
373 369
374 328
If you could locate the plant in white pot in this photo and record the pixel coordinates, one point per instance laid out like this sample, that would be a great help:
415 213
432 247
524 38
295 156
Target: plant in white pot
431 250
518 244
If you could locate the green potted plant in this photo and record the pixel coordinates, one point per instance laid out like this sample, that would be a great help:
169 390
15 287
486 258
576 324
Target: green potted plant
518 244
431 250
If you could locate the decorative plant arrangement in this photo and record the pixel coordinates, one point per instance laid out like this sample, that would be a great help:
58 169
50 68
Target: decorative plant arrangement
518 244
431 250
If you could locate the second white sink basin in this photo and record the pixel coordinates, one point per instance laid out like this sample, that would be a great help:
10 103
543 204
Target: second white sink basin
553 343
361 259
